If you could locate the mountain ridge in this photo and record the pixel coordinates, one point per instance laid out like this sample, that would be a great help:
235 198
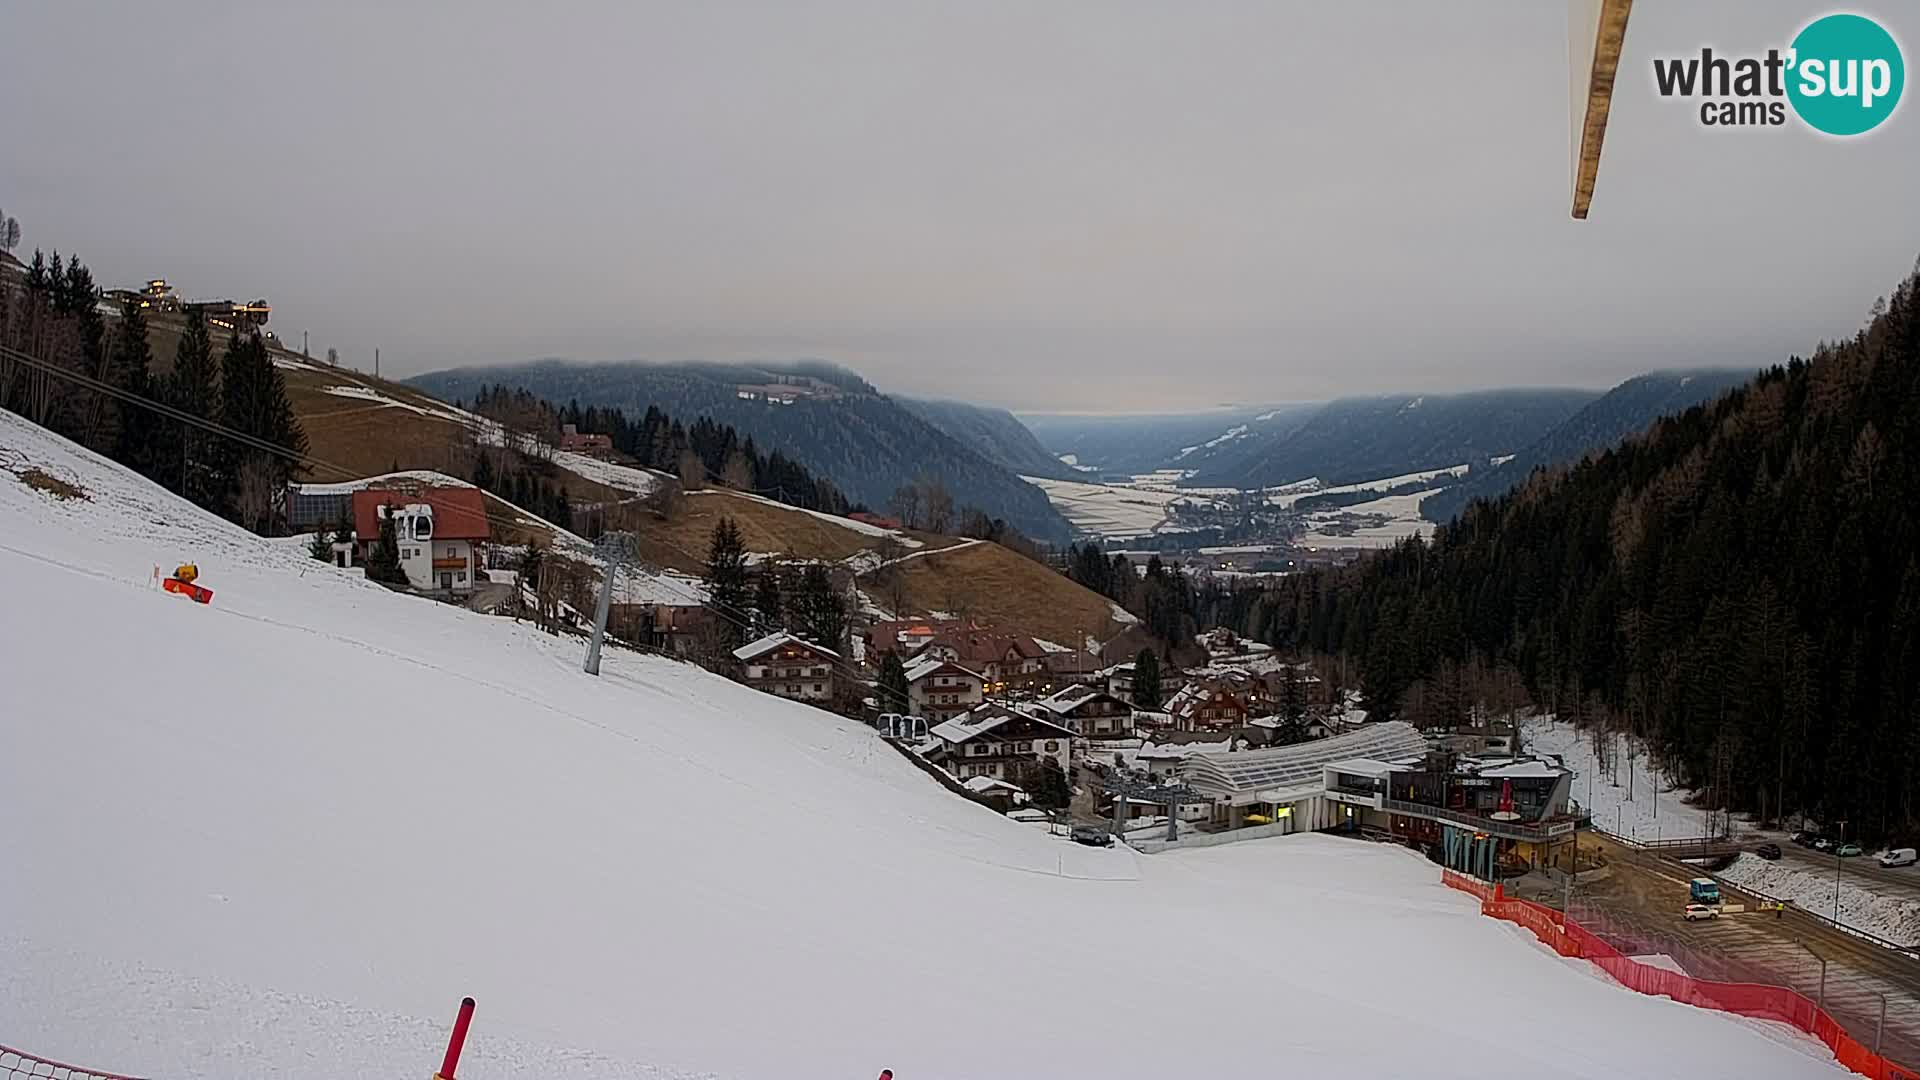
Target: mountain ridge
824 417
1627 409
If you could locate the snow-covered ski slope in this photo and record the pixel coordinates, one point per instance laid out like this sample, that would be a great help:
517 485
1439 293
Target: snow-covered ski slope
280 836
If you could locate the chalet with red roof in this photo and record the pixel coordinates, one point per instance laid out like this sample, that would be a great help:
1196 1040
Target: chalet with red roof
1002 659
440 532
596 445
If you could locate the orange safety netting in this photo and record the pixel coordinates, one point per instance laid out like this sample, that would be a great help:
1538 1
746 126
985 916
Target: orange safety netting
1569 938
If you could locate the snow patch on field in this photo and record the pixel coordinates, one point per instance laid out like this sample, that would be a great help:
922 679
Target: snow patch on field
1661 961
292 828
861 527
1401 514
619 477
367 393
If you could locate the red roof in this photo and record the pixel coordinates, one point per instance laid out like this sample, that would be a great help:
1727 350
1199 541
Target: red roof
458 513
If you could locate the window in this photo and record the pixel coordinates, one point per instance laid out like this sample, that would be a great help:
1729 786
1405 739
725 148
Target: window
1053 746
818 687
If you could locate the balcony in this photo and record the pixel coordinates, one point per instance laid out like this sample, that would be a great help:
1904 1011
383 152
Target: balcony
1532 832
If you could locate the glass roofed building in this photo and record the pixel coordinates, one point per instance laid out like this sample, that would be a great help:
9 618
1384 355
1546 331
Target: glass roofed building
1287 785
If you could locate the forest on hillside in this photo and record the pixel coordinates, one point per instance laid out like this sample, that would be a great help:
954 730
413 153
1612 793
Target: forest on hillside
1740 586
217 429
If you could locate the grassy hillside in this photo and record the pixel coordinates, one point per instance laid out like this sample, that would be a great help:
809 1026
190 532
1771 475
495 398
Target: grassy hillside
868 444
987 582
365 426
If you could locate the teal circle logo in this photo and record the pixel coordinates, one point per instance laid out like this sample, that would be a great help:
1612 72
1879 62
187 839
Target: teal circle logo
1846 74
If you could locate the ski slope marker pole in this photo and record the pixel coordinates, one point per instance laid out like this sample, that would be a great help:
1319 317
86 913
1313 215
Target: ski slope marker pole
458 1040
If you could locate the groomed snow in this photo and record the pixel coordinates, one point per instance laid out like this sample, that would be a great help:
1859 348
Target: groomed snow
281 835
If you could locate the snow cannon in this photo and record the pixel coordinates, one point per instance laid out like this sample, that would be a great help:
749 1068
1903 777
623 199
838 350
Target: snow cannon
182 583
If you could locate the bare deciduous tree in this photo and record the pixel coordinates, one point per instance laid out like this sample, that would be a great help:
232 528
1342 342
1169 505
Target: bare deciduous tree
907 502
693 472
664 500
738 472
939 505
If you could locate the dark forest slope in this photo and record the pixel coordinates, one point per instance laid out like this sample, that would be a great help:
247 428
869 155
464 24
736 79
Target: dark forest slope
1627 409
1741 585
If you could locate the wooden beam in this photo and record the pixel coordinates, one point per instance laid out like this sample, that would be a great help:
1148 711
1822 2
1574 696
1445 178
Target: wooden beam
1593 94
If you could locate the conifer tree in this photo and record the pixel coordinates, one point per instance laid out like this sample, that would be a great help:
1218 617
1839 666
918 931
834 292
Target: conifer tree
194 388
138 440
383 564
1146 680
822 614
768 614
893 684
726 580
253 401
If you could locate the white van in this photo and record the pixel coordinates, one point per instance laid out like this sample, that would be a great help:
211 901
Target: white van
1900 856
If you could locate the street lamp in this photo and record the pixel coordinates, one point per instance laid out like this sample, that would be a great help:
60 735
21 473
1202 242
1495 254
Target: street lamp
1840 843
1821 1002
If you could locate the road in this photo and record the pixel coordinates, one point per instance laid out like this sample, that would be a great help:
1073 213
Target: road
1864 871
1639 905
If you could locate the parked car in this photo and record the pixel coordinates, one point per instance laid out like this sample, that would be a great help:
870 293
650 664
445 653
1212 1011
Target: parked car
1804 839
1900 856
1769 852
1092 836
1822 843
1701 911
1848 851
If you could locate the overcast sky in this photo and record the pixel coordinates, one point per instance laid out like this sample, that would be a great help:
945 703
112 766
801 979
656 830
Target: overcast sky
1052 206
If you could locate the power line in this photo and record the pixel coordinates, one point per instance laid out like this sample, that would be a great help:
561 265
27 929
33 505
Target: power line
739 618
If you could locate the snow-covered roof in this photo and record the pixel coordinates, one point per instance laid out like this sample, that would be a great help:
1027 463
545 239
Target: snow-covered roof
394 479
986 718
1067 697
980 785
1300 766
1524 770
926 666
1361 767
775 640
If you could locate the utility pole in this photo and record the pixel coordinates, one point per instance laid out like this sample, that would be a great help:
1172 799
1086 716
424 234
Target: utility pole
612 547
303 344
376 363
